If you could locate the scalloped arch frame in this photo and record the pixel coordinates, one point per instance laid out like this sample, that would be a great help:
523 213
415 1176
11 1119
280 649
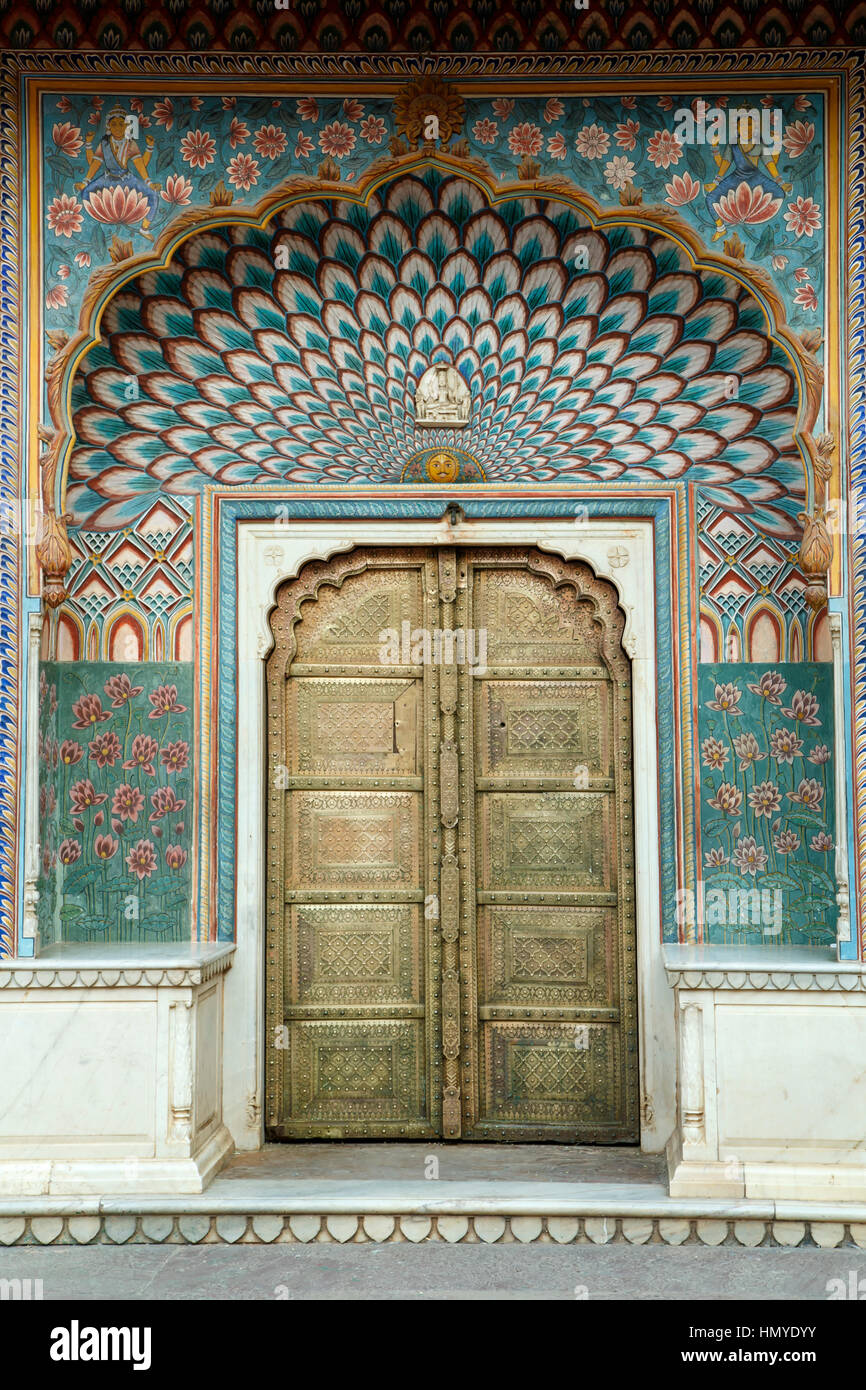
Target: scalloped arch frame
109 280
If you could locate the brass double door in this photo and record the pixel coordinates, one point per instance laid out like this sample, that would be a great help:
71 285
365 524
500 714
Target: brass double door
450 934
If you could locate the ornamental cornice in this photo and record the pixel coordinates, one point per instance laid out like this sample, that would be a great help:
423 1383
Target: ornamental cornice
658 62
20 974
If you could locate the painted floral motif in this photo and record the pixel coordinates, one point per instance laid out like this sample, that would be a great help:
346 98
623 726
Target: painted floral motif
804 708
243 171
768 824
749 856
198 148
64 215
144 750
770 687
728 798
714 754
745 204
177 191
110 800
525 139
664 149
592 141
269 141
727 698
117 206
765 799
119 689
746 749
803 217
785 746
682 189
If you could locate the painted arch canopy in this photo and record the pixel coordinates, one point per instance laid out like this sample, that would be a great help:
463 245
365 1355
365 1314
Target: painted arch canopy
293 354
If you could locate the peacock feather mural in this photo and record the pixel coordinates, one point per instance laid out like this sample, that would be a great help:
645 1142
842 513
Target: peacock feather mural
293 354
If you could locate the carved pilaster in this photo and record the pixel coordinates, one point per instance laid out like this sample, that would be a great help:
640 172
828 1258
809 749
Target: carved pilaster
31 830
843 921
180 1115
692 1074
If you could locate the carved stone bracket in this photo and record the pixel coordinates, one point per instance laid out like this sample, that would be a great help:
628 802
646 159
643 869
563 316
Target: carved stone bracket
816 552
53 551
54 554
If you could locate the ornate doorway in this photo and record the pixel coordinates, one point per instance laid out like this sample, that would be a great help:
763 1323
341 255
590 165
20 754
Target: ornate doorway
450 925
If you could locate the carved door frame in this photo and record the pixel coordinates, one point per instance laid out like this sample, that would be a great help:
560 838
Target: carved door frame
270 552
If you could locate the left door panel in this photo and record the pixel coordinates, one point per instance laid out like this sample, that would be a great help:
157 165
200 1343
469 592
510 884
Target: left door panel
351 1055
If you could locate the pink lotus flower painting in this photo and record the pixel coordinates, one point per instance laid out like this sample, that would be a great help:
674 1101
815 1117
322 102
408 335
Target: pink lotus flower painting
767 803
116 767
117 206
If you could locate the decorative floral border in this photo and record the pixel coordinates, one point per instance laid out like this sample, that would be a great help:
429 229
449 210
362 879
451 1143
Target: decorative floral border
193 149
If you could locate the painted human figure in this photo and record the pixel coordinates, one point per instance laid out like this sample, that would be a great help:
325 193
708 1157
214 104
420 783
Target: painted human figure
747 163
118 162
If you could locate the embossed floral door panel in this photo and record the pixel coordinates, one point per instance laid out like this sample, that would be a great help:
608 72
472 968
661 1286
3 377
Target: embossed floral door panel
450 892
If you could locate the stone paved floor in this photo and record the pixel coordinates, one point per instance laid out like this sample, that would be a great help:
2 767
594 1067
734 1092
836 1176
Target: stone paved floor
457 1162
437 1273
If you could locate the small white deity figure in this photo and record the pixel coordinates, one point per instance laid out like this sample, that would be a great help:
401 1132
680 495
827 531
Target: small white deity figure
442 397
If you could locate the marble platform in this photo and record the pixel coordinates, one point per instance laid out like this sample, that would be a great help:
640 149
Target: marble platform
369 1192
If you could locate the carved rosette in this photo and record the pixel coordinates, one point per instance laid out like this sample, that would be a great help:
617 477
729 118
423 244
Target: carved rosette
429 96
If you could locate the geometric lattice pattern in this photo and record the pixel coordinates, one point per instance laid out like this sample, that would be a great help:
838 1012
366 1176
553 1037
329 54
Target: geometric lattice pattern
743 571
537 729
356 955
547 1072
132 586
351 1070
550 845
543 956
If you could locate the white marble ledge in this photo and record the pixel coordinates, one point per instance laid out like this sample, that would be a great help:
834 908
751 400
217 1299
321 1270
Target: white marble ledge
87 965
322 1197
415 1197
762 968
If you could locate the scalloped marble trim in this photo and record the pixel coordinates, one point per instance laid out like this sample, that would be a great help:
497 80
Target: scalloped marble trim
110 979
22 974
735 977
453 1229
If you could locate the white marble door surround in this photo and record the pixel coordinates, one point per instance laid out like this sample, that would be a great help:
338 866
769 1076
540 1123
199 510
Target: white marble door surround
269 552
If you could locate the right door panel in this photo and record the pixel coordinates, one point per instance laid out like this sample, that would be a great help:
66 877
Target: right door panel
548 975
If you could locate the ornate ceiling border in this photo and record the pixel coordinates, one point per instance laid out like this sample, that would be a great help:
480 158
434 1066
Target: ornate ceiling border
448 66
